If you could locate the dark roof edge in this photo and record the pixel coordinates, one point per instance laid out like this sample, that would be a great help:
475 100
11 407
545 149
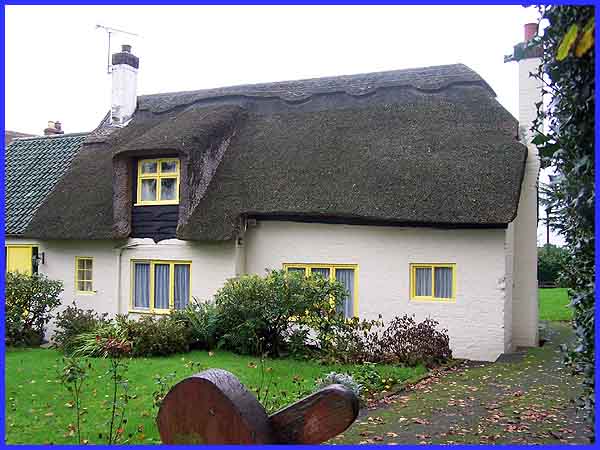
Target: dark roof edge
347 220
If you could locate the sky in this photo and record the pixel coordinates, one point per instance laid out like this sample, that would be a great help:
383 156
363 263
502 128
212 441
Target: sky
56 57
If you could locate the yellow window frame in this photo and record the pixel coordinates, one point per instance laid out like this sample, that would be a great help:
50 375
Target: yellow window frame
29 248
332 268
77 279
153 263
158 176
432 266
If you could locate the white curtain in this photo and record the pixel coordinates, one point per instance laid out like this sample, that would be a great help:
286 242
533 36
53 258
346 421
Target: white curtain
423 282
161 286
346 277
182 285
141 291
443 282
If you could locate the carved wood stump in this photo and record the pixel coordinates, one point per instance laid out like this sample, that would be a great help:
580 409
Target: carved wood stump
213 407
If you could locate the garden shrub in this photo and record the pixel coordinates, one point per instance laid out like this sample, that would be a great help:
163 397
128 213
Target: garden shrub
201 320
410 343
147 336
564 135
73 321
30 300
258 314
157 337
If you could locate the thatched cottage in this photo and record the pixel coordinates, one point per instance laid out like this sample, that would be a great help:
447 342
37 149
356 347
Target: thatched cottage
410 187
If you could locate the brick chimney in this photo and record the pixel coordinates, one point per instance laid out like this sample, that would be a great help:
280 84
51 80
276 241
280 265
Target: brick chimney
124 85
54 127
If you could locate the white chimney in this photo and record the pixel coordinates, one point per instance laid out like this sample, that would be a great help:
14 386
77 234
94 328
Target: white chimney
124 85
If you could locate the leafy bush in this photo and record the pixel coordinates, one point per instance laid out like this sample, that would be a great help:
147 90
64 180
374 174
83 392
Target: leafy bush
371 379
200 320
565 139
551 262
157 337
258 314
30 300
146 336
406 342
347 341
72 322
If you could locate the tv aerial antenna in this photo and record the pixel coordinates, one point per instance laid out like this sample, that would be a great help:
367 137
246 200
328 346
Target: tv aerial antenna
110 31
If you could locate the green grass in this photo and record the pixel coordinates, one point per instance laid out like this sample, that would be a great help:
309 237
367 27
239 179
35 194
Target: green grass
554 304
38 409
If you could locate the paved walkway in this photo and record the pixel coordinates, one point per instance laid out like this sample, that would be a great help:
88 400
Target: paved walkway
526 397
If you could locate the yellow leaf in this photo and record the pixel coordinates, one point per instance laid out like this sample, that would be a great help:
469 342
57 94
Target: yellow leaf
49 414
586 41
567 42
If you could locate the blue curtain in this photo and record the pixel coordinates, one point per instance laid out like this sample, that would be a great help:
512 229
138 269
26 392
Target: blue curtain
346 277
423 282
443 282
324 272
161 286
141 291
182 285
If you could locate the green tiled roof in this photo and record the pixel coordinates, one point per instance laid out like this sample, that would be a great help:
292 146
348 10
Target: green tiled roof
32 168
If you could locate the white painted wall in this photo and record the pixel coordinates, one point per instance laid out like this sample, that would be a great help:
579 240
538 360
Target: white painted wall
525 291
60 265
475 322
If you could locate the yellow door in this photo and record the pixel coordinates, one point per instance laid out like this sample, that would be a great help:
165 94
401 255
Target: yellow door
18 258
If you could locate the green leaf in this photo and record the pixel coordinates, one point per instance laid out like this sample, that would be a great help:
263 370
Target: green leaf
567 42
586 41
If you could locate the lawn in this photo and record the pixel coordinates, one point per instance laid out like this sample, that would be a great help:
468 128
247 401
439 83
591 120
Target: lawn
38 408
554 304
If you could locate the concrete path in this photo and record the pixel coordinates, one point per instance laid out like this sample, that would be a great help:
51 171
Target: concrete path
526 397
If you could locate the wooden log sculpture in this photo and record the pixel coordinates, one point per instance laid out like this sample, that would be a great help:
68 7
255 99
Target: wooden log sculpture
213 407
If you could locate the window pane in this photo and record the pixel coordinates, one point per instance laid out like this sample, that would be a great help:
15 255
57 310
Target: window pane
161 286
346 277
149 167
148 190
141 285
168 189
168 166
423 282
443 282
87 286
182 285
324 272
296 270
81 285
81 264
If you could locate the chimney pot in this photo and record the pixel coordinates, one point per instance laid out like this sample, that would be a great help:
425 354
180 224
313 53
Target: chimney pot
126 48
54 127
531 30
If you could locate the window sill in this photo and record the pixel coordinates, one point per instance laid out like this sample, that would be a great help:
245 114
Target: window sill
86 292
174 202
154 312
433 300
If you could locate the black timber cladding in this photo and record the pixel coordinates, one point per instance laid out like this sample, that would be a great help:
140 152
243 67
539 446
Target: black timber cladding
158 222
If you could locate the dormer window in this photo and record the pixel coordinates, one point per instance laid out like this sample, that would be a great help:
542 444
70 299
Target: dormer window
158 182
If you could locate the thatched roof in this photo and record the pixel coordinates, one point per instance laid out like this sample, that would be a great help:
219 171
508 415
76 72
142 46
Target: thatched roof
428 147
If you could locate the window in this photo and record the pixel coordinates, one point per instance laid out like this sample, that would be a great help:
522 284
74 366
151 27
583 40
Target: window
83 275
346 274
19 258
158 182
432 281
160 286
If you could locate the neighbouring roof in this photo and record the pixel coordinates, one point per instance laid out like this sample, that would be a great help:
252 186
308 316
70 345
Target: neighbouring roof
428 146
10 135
33 166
